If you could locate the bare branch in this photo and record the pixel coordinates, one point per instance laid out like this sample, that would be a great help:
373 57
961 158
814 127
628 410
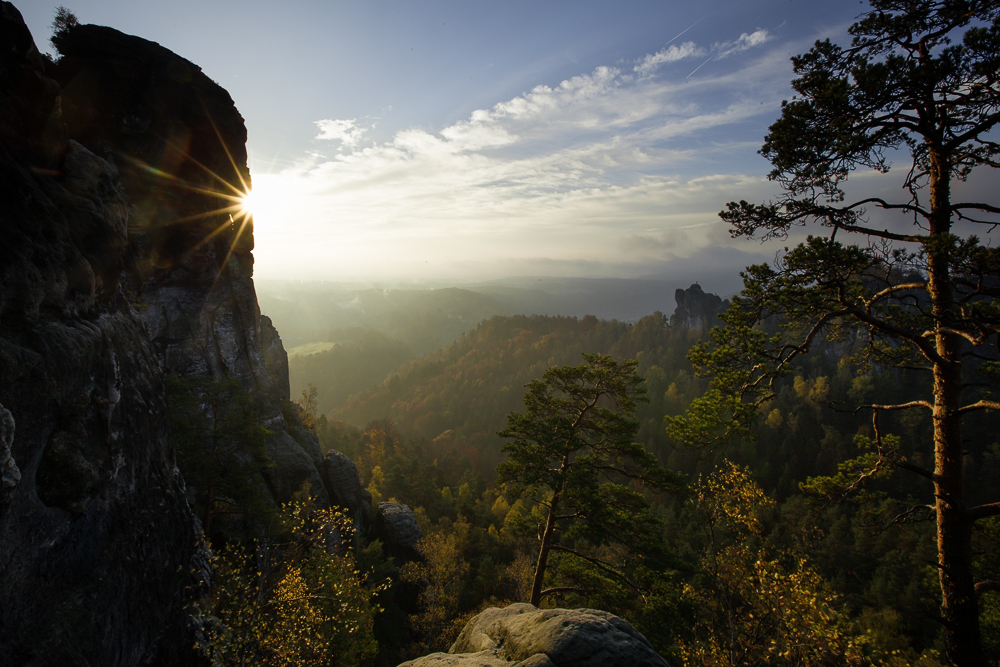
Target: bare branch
988 585
883 234
975 340
563 589
904 516
917 470
980 405
926 348
596 563
983 511
896 406
889 291
976 206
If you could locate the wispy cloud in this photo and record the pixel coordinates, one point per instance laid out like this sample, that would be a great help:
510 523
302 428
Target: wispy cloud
345 131
746 42
612 166
671 54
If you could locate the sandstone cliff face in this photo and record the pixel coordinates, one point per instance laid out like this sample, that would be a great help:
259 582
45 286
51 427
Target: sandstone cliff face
119 263
180 145
98 548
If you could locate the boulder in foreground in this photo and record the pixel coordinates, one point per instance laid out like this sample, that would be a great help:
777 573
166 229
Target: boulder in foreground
522 635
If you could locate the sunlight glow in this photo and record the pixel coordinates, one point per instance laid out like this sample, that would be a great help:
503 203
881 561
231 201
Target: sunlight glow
264 202
248 203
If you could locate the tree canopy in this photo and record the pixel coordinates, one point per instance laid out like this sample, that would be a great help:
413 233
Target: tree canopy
920 78
573 445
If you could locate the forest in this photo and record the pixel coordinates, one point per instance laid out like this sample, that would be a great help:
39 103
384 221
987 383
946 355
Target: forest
807 477
802 472
746 524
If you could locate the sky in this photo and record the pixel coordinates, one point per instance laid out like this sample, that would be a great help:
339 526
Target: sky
473 140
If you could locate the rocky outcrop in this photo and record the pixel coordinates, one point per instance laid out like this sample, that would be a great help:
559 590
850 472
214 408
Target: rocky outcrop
523 636
397 527
124 256
10 474
275 357
99 551
697 309
341 478
180 145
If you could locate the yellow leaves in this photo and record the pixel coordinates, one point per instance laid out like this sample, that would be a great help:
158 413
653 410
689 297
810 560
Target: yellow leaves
802 388
673 392
813 391
440 575
376 485
521 573
292 603
308 406
754 608
500 508
765 613
446 495
729 497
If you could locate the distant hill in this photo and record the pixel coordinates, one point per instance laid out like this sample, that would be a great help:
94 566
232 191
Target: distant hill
428 317
424 319
341 369
460 397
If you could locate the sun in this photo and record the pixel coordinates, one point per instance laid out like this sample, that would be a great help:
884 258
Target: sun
263 202
247 203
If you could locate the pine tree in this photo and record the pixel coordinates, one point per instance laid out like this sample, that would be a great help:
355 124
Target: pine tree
920 78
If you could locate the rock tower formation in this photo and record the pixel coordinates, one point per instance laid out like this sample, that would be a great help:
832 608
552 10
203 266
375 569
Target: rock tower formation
123 258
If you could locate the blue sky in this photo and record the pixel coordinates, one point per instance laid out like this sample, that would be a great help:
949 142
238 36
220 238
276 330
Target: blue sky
472 140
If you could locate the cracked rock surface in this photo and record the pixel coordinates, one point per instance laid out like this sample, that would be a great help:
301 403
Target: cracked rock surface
119 264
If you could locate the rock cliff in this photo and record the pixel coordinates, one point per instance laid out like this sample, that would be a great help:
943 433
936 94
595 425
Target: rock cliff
697 309
98 548
124 256
180 145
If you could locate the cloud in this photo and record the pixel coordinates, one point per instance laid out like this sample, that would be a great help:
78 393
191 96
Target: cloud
345 131
668 55
606 168
478 133
744 43
544 99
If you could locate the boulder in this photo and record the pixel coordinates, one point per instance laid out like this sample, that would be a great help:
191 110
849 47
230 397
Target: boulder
397 527
482 659
341 478
522 635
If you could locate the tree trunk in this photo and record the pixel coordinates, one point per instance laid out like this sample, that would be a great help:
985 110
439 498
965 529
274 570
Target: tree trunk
543 552
959 604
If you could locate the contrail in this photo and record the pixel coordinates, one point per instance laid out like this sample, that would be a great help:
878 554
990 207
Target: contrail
686 29
700 66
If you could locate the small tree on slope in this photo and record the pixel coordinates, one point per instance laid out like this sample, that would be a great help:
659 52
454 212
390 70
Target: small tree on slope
572 449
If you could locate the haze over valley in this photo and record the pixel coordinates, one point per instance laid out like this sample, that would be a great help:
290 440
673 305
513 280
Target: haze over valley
500 334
